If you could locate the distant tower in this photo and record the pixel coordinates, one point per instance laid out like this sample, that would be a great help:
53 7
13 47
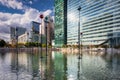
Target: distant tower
15 32
50 30
34 33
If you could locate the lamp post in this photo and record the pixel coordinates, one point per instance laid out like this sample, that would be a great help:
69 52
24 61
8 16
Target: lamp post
16 35
79 8
41 17
46 20
81 42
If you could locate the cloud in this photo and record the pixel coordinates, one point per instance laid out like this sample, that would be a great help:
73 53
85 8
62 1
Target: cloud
47 12
12 4
30 2
5 36
8 20
5 16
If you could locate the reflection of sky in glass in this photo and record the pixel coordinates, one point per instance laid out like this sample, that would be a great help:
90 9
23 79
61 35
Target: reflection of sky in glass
72 21
35 27
98 19
59 22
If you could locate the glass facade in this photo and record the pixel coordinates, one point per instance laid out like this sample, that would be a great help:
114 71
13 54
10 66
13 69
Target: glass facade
72 18
98 19
60 22
35 27
34 34
16 31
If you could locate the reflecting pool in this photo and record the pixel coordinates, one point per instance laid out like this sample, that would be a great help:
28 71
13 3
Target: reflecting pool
28 65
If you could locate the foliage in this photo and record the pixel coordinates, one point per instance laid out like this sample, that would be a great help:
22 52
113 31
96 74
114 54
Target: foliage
32 44
75 46
49 46
21 45
2 43
43 45
64 46
8 45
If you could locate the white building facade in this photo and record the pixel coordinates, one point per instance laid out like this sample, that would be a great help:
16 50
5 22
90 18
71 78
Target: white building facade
23 38
99 20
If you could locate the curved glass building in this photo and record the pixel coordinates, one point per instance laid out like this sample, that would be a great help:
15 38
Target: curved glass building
99 19
72 21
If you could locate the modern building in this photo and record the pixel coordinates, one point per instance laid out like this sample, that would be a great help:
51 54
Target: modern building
99 19
60 22
48 22
34 33
34 37
35 27
19 34
29 37
15 32
72 21
23 38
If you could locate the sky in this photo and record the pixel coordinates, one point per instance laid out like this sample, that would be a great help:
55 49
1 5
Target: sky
19 13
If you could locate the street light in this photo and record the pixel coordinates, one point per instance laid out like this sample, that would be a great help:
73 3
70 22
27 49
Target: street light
46 20
16 36
41 17
79 8
81 42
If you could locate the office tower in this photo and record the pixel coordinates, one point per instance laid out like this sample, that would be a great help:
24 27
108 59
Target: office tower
72 21
34 35
35 27
50 29
24 38
15 32
60 22
99 21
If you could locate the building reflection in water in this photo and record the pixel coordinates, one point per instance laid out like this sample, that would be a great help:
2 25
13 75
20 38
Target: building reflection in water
25 64
59 66
14 64
79 69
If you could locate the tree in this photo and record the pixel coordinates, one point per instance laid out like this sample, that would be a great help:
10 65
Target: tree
2 43
32 44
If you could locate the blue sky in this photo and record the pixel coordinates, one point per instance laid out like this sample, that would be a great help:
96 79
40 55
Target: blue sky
21 13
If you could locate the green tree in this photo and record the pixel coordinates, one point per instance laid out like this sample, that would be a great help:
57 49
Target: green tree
32 44
2 43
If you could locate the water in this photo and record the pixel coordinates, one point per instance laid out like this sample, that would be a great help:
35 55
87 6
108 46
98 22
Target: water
58 66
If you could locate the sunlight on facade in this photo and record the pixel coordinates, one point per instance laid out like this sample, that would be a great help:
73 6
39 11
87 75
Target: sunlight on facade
83 19
72 17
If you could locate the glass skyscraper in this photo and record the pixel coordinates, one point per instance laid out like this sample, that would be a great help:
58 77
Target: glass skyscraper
35 26
60 22
99 20
72 21
34 34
